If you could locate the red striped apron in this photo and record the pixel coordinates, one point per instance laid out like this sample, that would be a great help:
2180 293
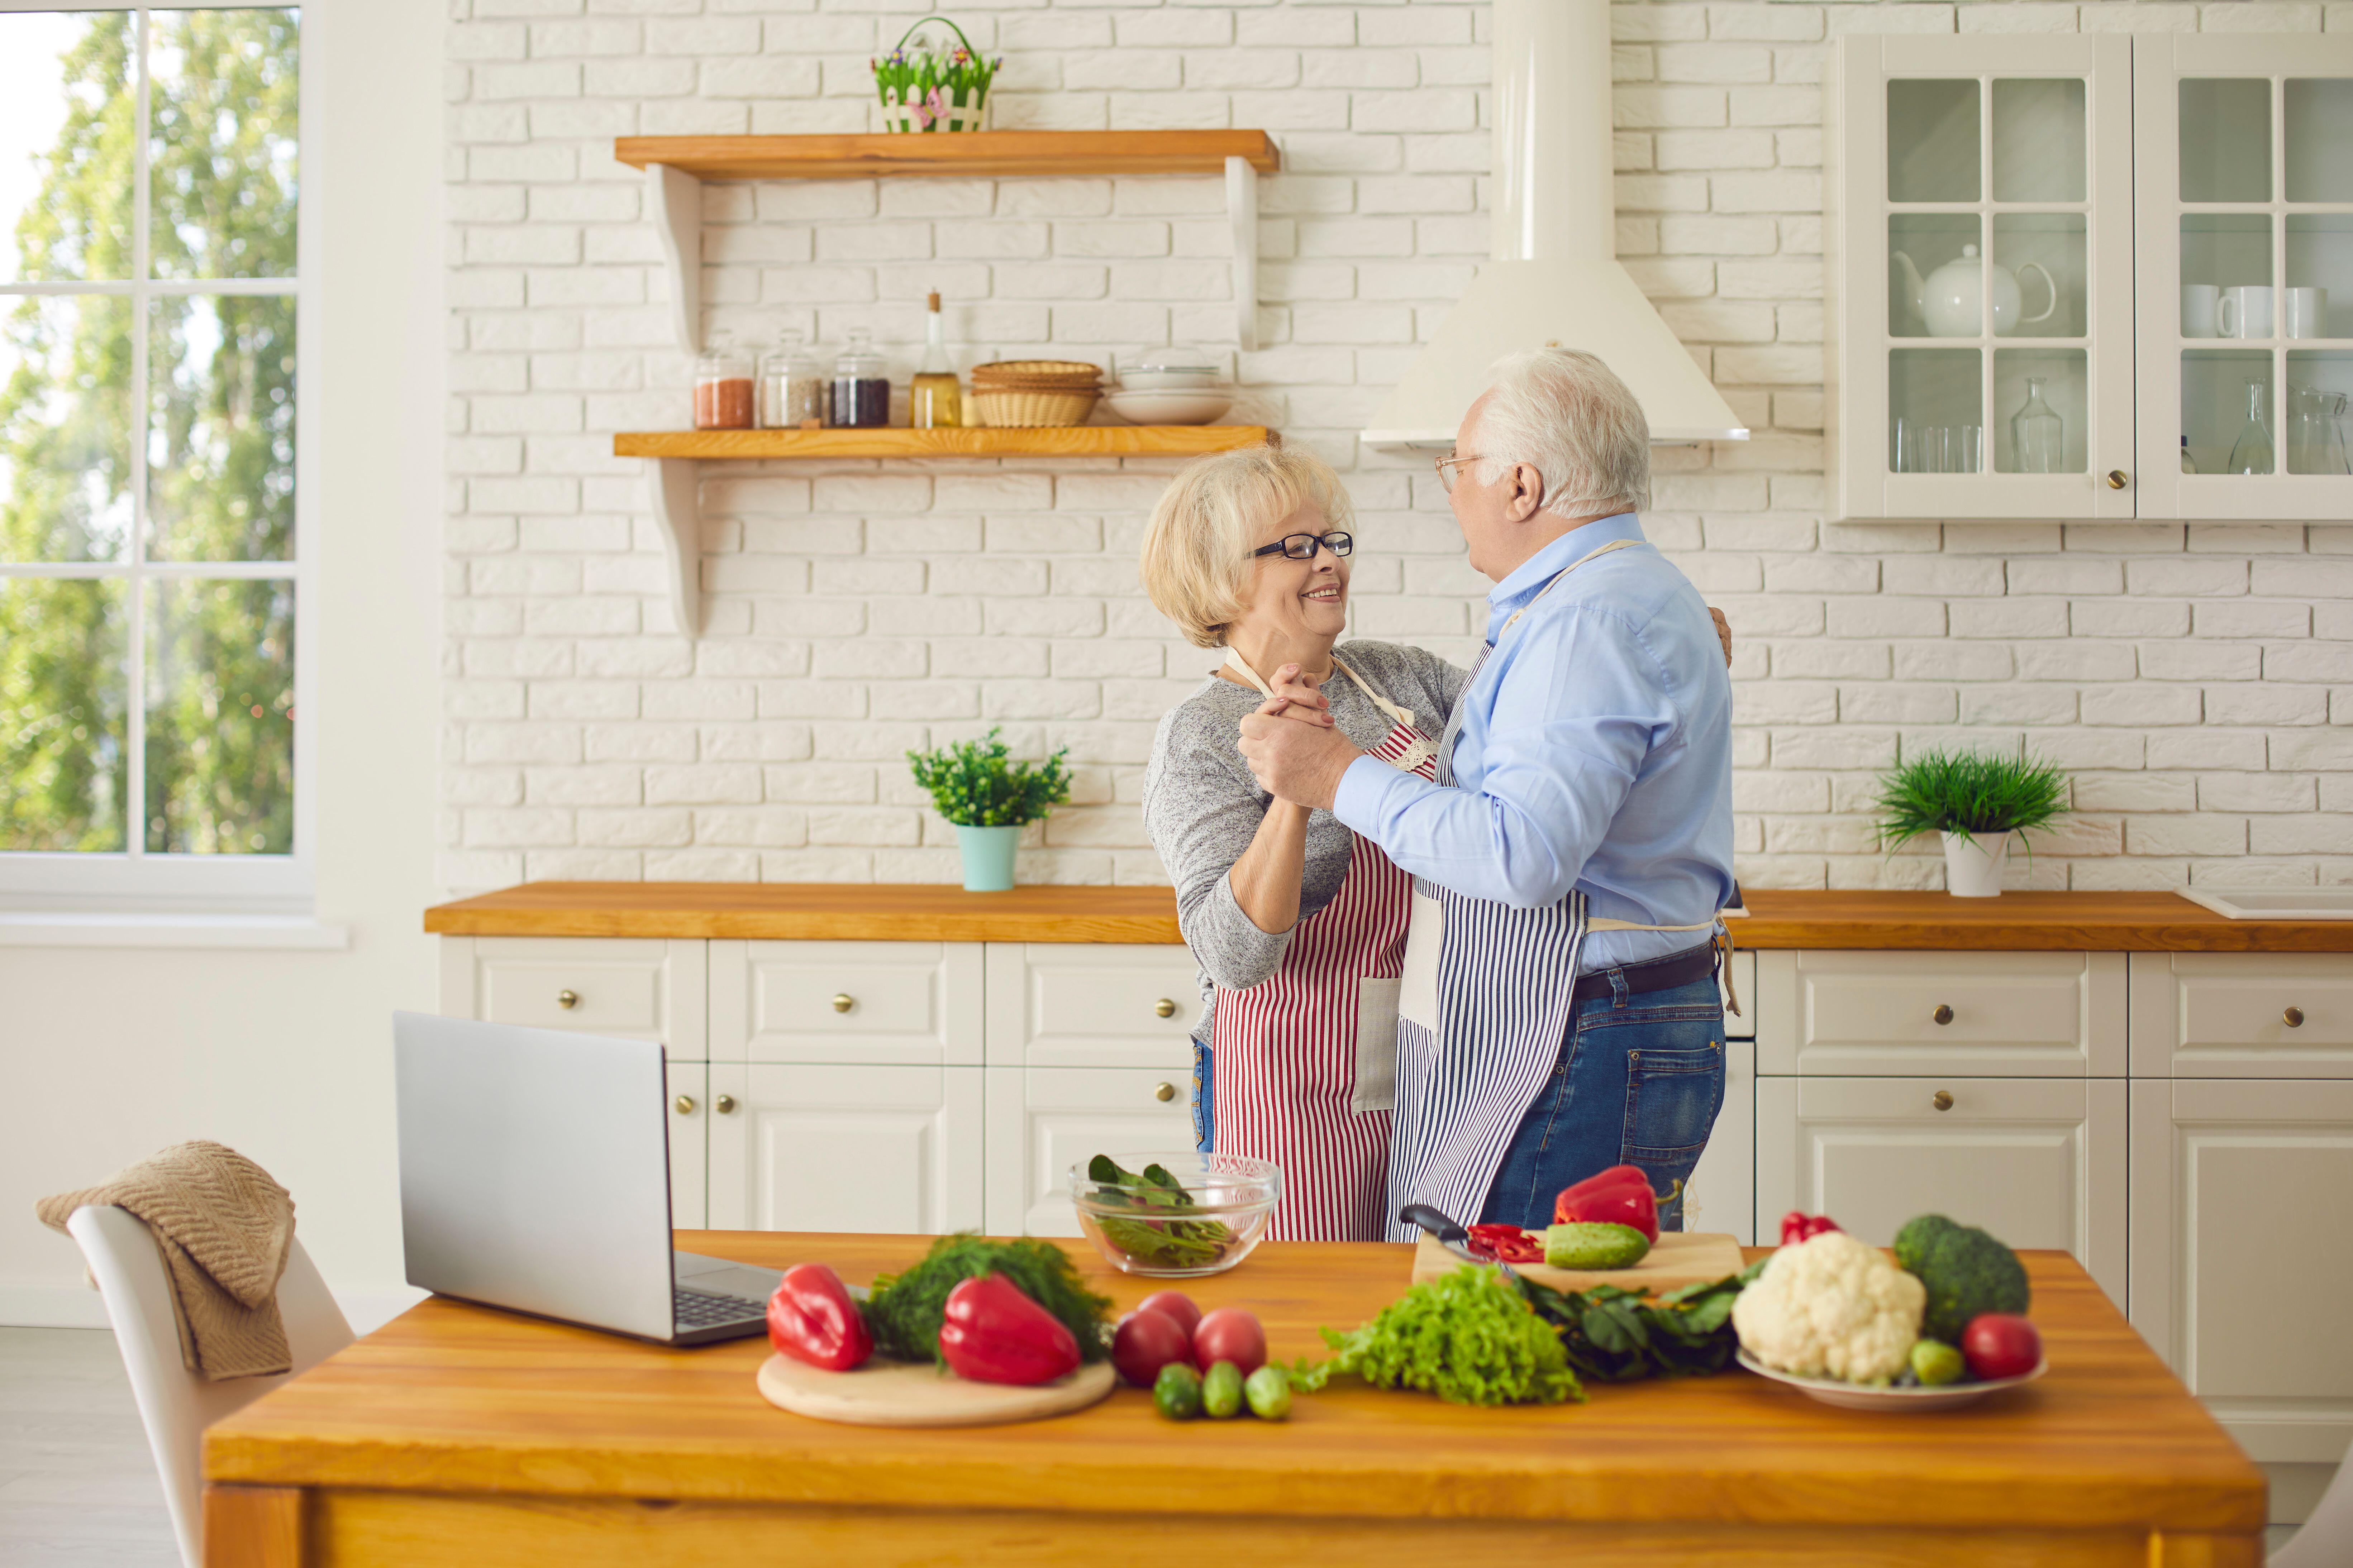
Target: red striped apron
1284 1052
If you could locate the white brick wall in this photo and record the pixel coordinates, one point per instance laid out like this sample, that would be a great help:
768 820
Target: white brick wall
2198 680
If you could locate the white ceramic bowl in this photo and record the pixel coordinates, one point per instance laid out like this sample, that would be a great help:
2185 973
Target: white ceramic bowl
1168 380
1176 406
1860 1396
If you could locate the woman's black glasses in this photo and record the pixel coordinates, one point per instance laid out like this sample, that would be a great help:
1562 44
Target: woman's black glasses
1302 546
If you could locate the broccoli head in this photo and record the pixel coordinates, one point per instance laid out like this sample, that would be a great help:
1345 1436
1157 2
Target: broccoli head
1966 1271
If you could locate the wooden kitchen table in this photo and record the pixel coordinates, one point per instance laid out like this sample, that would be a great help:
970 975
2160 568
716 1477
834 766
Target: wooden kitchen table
459 1434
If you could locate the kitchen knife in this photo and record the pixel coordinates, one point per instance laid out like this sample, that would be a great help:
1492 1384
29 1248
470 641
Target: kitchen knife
1451 1236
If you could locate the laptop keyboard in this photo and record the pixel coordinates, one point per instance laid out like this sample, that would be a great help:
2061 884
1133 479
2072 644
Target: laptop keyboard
701 1310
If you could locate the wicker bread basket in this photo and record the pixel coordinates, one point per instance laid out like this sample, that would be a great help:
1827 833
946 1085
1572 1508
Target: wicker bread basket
1070 374
1017 408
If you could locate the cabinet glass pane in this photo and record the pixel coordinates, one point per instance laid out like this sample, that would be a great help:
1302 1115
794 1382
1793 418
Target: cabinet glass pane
1932 141
2037 140
2222 251
2320 255
2317 115
1922 300
2040 398
2319 392
2042 257
2226 139
1936 421
2217 387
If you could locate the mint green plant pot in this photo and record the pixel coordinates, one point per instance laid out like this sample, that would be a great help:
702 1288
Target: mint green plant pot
987 857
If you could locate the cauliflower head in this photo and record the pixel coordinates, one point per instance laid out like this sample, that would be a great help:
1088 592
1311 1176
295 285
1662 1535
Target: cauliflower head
1831 1307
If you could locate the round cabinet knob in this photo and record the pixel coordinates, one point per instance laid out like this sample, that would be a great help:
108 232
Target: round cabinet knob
1163 1092
725 1104
2115 479
683 1105
2293 1018
1941 1100
1165 1008
843 1002
1943 1015
567 1000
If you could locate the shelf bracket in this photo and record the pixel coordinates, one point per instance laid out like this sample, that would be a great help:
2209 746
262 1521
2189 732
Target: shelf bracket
675 200
1241 208
673 483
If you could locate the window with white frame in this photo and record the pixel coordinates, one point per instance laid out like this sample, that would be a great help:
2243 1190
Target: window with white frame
148 477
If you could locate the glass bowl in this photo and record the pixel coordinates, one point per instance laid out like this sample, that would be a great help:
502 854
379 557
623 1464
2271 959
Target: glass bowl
1144 1226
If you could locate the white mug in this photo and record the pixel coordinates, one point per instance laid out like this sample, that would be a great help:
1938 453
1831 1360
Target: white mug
2306 315
2245 312
2198 303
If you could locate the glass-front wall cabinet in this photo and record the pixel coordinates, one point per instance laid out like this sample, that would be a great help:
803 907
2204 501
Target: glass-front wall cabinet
2067 271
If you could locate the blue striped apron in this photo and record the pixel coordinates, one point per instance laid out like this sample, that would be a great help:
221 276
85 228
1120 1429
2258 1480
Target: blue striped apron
1485 1005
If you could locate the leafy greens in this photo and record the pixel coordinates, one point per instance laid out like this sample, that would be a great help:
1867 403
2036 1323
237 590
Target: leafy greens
903 1311
1614 1335
1467 1337
1167 1242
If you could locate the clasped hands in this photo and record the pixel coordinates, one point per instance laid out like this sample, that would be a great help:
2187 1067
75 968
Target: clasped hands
1294 748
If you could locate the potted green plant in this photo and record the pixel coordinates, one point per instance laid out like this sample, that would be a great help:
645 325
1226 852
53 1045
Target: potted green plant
931 87
989 798
1975 801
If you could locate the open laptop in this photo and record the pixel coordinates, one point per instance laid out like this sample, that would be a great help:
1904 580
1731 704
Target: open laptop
535 1176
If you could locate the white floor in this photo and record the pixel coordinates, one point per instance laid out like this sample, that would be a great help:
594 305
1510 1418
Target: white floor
78 1486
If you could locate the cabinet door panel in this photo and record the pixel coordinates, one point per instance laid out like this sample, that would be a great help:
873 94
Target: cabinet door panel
2243 1200
2057 1015
1043 1121
2039 1162
886 1149
633 990
2225 1014
912 1002
1088 1004
690 1142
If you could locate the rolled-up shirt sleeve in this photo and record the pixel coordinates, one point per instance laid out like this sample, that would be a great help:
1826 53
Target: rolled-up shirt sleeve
1201 820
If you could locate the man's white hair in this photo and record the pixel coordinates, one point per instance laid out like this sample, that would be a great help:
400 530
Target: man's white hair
1566 414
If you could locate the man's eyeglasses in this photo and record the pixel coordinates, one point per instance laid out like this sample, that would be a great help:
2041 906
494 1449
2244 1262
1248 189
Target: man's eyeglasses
1446 466
1302 546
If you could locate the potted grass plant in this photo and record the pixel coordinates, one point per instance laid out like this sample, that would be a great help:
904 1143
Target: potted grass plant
989 798
927 87
1977 802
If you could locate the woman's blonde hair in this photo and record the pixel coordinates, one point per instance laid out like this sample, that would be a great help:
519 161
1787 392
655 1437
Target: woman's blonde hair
1196 549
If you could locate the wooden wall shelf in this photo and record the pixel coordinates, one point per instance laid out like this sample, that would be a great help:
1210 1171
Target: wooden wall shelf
973 154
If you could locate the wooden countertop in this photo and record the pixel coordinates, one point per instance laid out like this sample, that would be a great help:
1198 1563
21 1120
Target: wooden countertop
453 1412
843 912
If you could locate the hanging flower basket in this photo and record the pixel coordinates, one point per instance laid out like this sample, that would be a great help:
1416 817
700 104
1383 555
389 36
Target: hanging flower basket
923 89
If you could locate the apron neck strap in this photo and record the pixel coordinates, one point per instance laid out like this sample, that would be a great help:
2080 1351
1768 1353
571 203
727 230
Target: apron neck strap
1236 662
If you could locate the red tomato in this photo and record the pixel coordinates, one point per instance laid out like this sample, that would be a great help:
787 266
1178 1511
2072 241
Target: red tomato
1997 1344
1145 1343
1177 1305
1230 1334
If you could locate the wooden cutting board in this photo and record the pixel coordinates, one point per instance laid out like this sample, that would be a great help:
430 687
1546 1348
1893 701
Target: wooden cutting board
1677 1258
910 1394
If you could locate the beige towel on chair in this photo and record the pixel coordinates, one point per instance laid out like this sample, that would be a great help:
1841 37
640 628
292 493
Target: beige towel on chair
224 1228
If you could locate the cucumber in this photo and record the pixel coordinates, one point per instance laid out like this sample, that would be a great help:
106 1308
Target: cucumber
1221 1391
1589 1245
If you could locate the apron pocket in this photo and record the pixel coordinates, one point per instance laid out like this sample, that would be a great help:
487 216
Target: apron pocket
1417 986
1374 1088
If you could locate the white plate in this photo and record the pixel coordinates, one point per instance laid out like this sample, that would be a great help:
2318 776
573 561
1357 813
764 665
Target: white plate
1856 1397
1168 380
1169 407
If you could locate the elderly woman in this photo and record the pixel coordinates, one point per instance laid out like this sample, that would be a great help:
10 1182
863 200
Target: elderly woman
1297 923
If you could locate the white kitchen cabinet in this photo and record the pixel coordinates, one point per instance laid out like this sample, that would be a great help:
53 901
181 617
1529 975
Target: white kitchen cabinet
1723 1193
1986 1014
1042 1120
2243 1014
1740 969
1091 1004
2037 1161
869 1147
690 1144
637 990
909 1002
2241 1263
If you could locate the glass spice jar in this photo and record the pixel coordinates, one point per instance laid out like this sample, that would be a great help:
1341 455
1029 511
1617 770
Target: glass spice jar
793 394
861 387
723 387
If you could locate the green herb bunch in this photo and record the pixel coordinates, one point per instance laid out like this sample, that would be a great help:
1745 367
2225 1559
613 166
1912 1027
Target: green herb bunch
1161 1239
1967 792
1614 1335
975 784
903 1311
1468 1337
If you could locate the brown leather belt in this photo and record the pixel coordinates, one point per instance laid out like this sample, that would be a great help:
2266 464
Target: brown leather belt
1685 968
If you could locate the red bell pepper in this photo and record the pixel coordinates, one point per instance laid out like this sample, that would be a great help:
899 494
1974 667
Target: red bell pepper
994 1333
811 1318
1618 1196
1797 1226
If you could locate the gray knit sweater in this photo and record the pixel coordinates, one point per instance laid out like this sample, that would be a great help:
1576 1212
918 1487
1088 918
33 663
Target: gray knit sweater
1202 807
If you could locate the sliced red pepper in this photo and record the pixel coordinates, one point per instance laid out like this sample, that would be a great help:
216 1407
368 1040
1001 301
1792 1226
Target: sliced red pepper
1618 1196
1506 1244
811 1318
1797 1226
994 1333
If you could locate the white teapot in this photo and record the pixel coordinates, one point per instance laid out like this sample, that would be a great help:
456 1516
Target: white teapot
1948 300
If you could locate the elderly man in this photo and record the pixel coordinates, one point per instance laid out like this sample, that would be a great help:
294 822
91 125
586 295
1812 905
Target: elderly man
1559 1012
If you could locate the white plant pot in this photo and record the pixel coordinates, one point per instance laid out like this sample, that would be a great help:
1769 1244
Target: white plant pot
1973 866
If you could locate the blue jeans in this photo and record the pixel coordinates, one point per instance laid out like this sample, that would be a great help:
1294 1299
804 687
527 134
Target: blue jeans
1639 1083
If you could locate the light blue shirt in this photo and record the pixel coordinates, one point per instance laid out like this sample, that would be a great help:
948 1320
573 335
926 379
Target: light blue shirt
1595 752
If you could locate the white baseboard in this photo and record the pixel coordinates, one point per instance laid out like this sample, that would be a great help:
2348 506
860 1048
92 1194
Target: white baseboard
30 1306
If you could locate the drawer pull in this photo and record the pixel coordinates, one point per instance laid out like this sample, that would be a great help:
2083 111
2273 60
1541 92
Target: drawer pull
2293 1018
567 1000
1943 1015
1163 1092
1165 1008
843 1002
724 1105
683 1105
1941 1100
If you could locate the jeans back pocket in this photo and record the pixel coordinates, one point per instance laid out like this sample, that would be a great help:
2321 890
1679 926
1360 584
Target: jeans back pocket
1671 1100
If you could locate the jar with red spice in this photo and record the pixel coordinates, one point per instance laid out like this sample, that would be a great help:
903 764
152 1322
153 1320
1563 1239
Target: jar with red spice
724 399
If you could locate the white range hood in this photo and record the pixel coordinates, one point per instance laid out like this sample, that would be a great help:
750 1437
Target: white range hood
1555 279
